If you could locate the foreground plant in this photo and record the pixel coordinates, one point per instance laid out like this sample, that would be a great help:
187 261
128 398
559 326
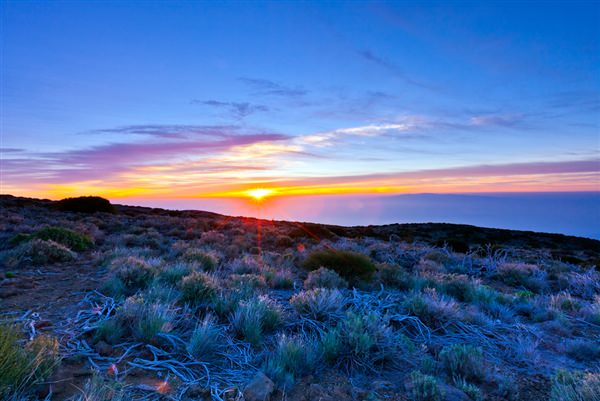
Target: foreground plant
24 366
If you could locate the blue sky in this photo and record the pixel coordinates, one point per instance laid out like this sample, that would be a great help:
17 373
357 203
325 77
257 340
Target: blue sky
179 99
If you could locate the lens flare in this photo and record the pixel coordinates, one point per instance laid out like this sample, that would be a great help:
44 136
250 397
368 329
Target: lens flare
259 193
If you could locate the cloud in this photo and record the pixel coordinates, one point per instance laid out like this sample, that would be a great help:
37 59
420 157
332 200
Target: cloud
11 150
106 161
170 131
238 109
329 138
392 68
267 87
496 120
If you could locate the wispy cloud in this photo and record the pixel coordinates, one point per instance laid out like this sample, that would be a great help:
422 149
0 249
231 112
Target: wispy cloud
268 87
237 109
392 68
170 131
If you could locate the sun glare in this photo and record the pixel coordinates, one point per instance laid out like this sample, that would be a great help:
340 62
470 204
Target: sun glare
259 193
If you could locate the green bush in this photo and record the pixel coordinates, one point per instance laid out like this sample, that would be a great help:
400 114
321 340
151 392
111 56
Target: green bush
320 303
98 389
279 278
575 386
424 387
195 256
39 252
463 361
198 288
134 273
324 278
360 341
21 367
255 316
110 331
394 276
293 357
350 265
85 204
206 340
145 320
71 239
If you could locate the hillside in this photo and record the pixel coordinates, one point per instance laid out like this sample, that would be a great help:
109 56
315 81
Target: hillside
142 304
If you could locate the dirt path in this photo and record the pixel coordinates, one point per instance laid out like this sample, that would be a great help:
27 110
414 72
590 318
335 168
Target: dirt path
52 291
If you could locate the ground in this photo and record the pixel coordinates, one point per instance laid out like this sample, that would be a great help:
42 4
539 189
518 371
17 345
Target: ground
522 308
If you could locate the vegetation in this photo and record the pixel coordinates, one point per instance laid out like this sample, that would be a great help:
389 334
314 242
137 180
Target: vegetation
172 305
350 265
24 366
85 204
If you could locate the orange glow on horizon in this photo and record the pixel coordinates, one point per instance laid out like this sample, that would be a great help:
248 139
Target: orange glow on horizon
259 193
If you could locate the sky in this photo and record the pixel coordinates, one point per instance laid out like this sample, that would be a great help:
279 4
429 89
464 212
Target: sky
140 100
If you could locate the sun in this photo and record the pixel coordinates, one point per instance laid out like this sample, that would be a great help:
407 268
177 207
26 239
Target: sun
259 193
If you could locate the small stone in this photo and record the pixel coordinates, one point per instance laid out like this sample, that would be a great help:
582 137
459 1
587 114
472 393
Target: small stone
40 324
382 385
259 388
198 392
103 348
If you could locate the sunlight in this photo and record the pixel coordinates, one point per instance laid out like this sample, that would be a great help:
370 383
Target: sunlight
259 193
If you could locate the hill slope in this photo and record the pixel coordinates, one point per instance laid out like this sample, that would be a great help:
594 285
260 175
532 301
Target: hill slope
157 304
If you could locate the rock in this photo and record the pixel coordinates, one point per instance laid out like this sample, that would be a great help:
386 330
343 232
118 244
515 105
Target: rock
40 324
453 394
315 391
103 348
382 385
199 392
259 388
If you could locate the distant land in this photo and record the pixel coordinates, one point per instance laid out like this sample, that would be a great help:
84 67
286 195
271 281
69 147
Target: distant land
569 213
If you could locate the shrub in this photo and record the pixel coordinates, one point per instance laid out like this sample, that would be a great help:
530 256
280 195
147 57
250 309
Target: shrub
247 281
471 390
591 313
324 278
19 239
284 241
110 331
583 350
294 356
145 320
360 341
394 276
522 274
279 278
204 260
69 238
198 288
85 204
438 256
575 386
134 273
424 387
564 302
113 287
320 303
245 265
254 316
350 265
172 275
463 361
432 309
97 389
39 252
23 367
206 340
